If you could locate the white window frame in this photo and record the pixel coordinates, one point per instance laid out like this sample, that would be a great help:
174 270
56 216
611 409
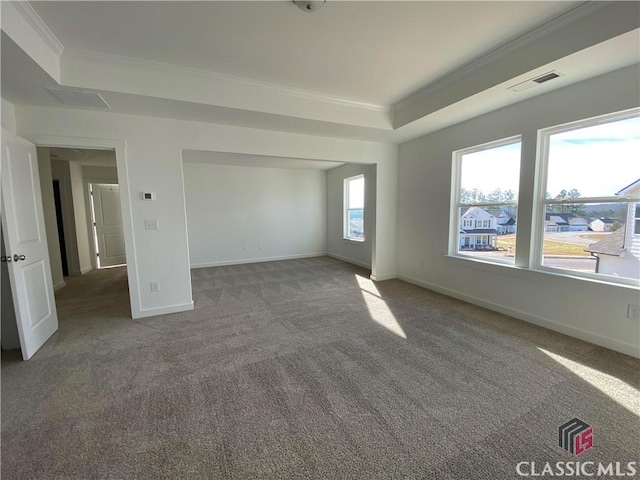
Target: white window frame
540 202
345 212
456 204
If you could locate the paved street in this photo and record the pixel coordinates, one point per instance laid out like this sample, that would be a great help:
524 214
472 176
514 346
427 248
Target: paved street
579 238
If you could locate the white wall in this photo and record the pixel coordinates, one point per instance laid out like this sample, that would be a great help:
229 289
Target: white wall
50 218
8 115
586 309
148 153
246 214
359 253
80 215
100 174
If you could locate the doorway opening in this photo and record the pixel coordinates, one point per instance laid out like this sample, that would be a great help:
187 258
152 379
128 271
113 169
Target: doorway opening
84 207
60 222
106 225
56 274
86 194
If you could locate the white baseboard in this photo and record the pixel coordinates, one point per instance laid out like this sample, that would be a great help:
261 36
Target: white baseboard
349 260
258 260
152 312
595 338
86 270
382 278
59 285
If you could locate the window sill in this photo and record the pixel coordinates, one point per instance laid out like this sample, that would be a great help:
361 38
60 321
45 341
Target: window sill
547 275
357 241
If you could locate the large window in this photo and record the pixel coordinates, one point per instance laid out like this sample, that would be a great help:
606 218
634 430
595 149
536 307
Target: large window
354 208
485 201
590 181
584 201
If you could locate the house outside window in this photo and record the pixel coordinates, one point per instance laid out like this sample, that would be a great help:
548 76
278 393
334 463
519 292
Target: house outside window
485 200
589 189
354 208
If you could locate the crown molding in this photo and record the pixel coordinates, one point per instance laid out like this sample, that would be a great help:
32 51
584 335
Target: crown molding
177 69
33 19
581 10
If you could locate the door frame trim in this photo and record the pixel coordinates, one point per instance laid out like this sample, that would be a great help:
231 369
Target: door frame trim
120 147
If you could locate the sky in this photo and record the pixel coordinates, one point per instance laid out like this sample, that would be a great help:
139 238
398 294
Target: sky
356 193
491 169
597 161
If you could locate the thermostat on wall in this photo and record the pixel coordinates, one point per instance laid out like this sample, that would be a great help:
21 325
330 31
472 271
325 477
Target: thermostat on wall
148 195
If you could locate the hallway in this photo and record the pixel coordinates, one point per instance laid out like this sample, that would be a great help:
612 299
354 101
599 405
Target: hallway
91 307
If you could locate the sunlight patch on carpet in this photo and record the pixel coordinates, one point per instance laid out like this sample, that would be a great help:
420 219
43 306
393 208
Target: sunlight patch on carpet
613 387
378 308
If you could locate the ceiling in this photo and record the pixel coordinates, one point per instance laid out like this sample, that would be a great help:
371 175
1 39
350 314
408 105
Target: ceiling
84 156
260 161
374 52
376 71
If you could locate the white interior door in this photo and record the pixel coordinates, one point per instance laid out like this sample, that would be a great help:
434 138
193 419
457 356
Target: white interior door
108 224
25 239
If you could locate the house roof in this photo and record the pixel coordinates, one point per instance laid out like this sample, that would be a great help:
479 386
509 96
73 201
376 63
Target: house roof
606 220
499 211
557 218
629 188
612 244
511 221
578 220
475 212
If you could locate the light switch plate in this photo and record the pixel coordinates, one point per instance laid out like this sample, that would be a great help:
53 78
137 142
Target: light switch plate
151 224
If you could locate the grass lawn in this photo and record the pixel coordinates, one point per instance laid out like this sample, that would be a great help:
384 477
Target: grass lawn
551 247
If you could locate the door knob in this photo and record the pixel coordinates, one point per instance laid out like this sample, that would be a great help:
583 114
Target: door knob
17 257
4 259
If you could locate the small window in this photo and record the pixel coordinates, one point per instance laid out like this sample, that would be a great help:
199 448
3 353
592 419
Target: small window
636 220
354 208
590 185
485 201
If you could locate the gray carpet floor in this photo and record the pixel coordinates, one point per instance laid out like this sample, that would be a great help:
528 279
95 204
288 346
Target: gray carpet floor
304 369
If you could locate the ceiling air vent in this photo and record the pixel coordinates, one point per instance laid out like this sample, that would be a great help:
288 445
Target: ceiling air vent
78 98
546 77
533 82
